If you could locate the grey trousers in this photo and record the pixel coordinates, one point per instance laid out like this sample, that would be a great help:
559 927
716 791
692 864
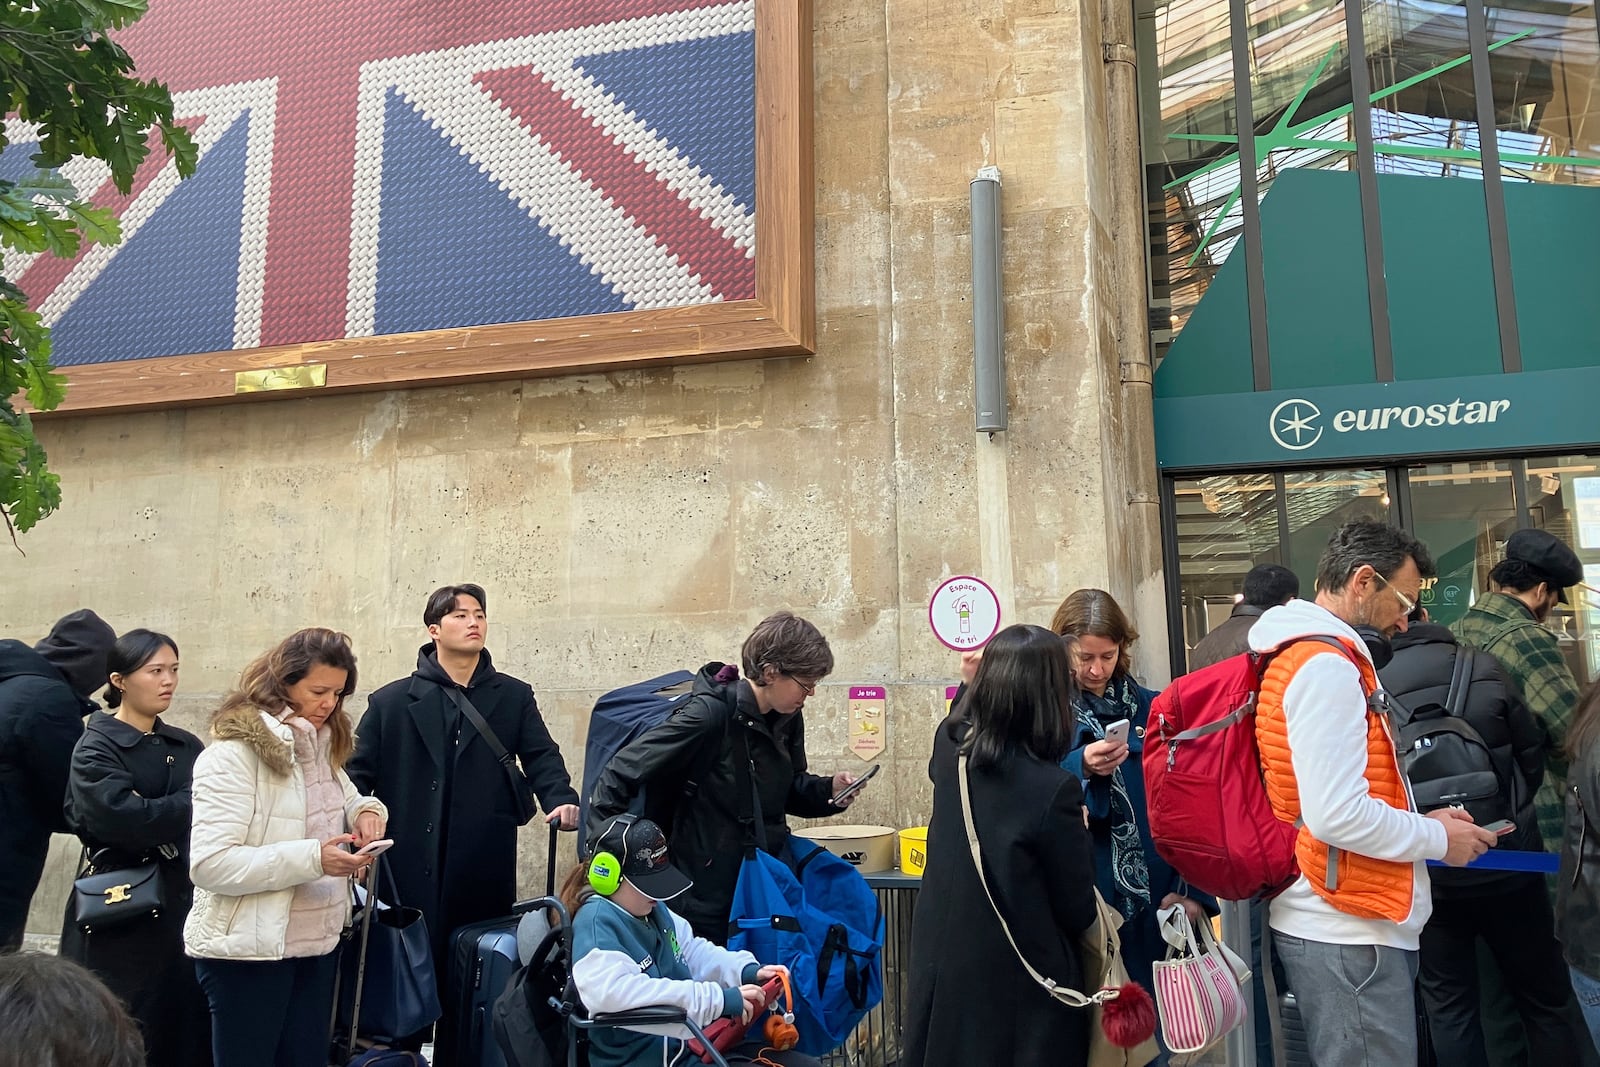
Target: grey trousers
1358 1001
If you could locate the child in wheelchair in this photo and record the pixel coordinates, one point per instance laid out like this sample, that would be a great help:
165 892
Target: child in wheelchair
629 951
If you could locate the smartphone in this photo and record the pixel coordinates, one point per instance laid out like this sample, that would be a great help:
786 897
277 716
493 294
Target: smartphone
376 848
1501 828
855 787
1118 731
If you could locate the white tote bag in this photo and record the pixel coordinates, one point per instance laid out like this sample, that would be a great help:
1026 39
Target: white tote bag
1200 993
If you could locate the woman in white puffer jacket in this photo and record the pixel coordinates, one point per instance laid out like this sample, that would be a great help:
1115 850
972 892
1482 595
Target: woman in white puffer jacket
274 820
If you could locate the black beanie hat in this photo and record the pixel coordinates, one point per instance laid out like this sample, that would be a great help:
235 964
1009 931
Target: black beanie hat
77 647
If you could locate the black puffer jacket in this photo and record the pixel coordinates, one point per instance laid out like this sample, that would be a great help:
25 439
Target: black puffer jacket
691 757
42 705
1424 658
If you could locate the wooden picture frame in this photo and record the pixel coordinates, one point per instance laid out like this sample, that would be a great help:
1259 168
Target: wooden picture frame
778 322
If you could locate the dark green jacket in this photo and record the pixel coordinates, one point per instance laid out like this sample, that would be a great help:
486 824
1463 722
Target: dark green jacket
1503 626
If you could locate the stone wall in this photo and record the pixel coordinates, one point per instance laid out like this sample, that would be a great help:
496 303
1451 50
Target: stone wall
633 523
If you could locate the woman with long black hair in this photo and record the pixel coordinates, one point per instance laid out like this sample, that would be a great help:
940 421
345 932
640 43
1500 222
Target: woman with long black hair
971 999
128 800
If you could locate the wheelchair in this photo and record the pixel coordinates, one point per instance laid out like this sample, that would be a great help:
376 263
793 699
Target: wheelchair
540 1019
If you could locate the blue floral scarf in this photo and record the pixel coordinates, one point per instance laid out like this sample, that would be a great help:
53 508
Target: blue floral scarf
1129 871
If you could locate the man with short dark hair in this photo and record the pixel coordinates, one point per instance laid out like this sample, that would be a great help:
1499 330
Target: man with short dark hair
1506 622
44 695
1348 927
1266 586
453 813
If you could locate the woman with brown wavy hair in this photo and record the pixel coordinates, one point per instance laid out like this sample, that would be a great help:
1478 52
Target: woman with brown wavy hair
274 819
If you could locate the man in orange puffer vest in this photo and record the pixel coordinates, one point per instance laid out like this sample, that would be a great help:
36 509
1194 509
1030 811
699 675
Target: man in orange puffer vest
1348 928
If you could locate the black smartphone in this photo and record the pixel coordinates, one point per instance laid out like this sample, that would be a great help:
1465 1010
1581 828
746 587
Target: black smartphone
855 787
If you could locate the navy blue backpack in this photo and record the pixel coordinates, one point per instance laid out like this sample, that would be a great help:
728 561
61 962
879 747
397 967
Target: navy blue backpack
619 718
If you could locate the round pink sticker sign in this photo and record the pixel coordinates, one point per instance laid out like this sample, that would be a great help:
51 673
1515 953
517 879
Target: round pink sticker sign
964 612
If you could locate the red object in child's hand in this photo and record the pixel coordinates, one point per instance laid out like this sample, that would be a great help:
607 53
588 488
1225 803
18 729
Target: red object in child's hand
725 1033
1129 1018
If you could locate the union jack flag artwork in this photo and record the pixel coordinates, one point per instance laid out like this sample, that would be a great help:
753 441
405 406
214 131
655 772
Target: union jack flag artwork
376 168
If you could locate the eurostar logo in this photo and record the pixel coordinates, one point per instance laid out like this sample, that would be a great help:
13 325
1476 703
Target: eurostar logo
1293 424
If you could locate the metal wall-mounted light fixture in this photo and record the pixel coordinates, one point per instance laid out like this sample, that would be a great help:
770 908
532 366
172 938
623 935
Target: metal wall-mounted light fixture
988 313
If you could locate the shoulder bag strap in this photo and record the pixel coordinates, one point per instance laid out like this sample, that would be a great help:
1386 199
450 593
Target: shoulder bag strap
1455 700
1064 994
744 777
507 760
1506 629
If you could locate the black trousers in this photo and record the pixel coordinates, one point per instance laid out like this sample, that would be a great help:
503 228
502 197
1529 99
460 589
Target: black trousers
269 1013
1518 928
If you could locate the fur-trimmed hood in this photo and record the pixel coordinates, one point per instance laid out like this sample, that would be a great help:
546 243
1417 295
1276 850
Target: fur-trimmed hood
271 740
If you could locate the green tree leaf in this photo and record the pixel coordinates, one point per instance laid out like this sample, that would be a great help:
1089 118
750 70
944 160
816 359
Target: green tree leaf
60 70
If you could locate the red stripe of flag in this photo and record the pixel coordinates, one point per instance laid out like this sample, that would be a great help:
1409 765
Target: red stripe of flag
639 193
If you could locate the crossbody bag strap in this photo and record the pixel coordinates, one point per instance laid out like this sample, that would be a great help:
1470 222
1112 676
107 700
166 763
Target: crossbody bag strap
744 774
1065 994
1455 700
507 760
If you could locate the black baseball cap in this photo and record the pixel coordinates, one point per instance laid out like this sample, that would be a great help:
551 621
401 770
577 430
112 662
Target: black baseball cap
1545 553
642 848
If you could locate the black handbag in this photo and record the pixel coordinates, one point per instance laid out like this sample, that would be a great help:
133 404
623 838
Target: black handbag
386 987
105 898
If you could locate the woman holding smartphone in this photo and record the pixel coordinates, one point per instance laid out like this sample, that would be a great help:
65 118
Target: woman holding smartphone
1109 714
128 801
275 818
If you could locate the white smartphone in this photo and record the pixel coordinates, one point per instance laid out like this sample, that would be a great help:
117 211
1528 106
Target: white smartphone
1118 731
376 848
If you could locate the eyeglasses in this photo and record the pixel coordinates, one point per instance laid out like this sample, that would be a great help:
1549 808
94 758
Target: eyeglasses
1405 601
808 688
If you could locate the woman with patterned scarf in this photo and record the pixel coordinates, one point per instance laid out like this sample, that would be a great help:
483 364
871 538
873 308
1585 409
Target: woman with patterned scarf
1131 876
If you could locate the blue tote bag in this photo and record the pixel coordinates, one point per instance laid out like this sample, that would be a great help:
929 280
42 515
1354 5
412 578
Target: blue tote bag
817 916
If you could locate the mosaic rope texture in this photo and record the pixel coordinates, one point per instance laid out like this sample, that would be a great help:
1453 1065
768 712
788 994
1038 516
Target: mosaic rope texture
369 168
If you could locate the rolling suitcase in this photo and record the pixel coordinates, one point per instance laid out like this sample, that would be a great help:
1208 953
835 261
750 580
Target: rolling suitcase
1296 1049
483 959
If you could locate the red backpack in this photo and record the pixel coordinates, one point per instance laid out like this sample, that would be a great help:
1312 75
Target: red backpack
1209 813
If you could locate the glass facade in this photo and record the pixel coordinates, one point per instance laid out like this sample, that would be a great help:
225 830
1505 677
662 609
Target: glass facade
1358 113
1346 197
1463 510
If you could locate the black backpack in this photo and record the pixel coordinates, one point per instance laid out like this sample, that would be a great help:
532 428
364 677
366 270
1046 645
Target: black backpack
1447 761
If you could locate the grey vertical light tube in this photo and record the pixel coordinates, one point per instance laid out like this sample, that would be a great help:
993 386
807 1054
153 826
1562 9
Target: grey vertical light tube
988 316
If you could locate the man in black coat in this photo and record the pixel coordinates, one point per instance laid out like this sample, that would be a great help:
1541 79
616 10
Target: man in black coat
453 814
1509 912
44 695
687 764
1266 586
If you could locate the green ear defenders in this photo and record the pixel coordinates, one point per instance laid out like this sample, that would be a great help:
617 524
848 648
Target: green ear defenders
605 873
605 868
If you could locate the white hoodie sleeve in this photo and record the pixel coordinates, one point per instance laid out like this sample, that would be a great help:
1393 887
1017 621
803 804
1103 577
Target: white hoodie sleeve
609 980
1328 739
708 961
224 801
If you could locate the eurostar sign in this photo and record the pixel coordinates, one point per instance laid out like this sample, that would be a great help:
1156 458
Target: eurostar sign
1384 420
